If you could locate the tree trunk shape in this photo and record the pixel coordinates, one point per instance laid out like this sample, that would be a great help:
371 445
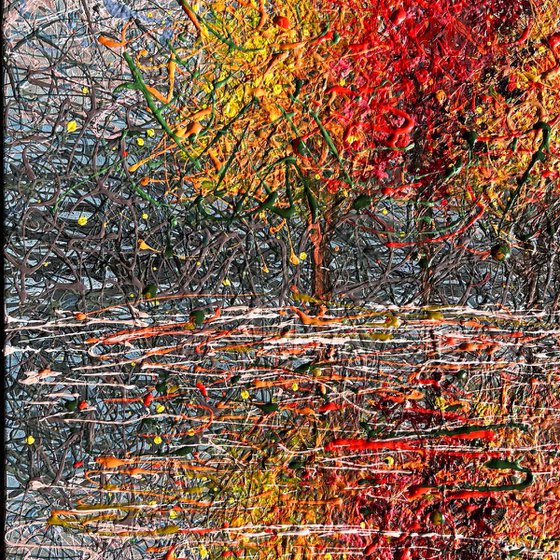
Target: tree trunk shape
424 228
319 236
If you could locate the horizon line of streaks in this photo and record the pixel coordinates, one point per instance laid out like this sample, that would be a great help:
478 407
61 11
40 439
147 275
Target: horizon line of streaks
276 433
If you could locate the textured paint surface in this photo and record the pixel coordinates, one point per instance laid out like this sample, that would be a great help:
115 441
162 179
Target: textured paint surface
282 279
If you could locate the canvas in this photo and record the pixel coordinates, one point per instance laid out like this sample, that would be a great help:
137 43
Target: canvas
282 279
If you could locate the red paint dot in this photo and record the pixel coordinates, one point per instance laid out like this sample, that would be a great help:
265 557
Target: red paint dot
282 22
398 16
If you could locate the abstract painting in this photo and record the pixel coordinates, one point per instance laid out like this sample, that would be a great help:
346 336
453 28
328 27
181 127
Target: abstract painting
282 279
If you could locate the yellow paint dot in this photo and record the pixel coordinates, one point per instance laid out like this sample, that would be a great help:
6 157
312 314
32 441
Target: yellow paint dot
230 110
158 440
440 403
390 461
140 141
46 263
173 514
295 386
226 282
277 89
402 233
71 126
317 176
362 525
82 221
342 82
244 394
151 132
203 551
30 440
85 90
384 211
302 256
160 408
191 432
130 295
144 216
